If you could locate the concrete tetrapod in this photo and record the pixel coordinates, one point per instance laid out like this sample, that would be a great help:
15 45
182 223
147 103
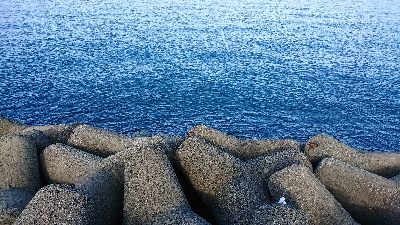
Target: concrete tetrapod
19 175
369 198
12 202
106 193
38 137
386 164
64 164
242 149
56 133
57 204
98 141
300 188
231 187
152 191
396 179
266 165
105 185
105 143
8 126
19 167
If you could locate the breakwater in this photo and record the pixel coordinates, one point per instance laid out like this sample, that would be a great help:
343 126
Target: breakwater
80 174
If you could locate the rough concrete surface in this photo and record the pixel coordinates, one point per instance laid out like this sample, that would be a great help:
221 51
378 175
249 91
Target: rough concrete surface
207 167
266 165
300 188
12 202
106 193
369 198
105 143
64 164
151 187
56 133
396 179
162 179
277 214
8 126
38 137
386 164
242 149
57 204
98 141
232 188
19 167
178 216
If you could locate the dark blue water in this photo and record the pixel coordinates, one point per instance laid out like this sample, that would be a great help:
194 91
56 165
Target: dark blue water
251 68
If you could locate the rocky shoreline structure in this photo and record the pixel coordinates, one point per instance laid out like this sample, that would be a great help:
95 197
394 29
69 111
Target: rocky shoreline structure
80 174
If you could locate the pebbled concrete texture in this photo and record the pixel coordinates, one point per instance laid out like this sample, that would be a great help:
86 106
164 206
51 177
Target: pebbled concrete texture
151 188
396 179
178 216
98 141
242 149
19 167
105 143
57 204
276 214
106 193
266 165
8 126
232 188
300 188
40 140
369 198
236 201
55 133
64 164
207 167
12 202
159 179
386 164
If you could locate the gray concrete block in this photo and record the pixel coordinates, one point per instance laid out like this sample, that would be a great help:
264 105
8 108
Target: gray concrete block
38 137
169 144
300 188
237 200
232 188
8 126
242 149
177 216
396 179
64 164
141 133
105 185
151 187
369 198
12 202
19 167
115 163
386 164
57 204
278 214
105 143
56 133
98 141
106 193
207 167
265 166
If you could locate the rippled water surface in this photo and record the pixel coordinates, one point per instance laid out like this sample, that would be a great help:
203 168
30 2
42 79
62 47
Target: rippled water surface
251 68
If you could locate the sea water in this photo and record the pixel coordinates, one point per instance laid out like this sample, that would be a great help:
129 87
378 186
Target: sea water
251 68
